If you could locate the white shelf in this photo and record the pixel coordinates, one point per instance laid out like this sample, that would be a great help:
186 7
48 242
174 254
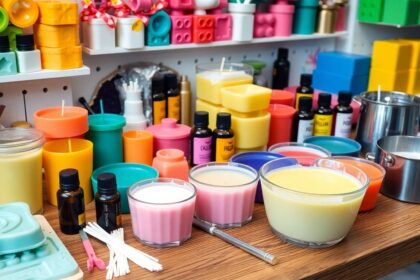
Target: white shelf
45 74
390 24
217 44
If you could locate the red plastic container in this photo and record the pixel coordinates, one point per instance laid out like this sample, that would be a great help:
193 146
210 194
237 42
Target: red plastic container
281 123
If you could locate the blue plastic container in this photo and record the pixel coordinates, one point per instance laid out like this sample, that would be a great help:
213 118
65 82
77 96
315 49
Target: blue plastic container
338 146
304 19
346 64
333 83
255 160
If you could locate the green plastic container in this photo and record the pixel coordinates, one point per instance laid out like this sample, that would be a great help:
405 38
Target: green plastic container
105 131
126 174
304 19
401 12
370 10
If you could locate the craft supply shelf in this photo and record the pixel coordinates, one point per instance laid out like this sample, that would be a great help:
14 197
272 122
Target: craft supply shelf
45 74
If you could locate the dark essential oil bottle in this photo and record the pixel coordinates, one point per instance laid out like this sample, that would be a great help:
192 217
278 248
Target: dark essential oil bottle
304 120
71 203
173 103
323 119
281 69
223 143
158 98
343 115
107 203
200 140
305 88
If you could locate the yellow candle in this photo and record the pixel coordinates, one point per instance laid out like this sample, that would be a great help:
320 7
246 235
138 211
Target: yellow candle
68 153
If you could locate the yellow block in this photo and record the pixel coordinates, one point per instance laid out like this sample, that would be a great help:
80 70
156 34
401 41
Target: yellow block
246 98
413 81
415 56
201 105
56 36
388 80
58 12
391 55
61 58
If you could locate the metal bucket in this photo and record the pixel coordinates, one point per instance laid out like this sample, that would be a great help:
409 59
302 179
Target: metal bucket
385 114
400 156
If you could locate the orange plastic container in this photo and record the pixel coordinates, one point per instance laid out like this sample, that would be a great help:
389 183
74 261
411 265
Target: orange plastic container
61 58
171 163
281 123
22 13
56 36
138 146
60 12
282 97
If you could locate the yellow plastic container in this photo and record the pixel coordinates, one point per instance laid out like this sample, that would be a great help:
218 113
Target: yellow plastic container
56 36
258 149
61 58
22 13
413 81
388 80
391 55
415 55
201 105
246 98
58 12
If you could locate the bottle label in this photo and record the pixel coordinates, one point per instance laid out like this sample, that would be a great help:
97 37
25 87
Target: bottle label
322 125
305 130
81 219
201 150
159 111
343 124
298 96
225 148
173 107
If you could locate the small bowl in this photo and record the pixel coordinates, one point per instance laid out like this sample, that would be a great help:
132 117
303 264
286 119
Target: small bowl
126 175
338 146
292 149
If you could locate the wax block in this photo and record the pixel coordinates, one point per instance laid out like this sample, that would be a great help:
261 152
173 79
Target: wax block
222 27
346 64
370 10
62 12
181 4
413 86
158 29
333 83
203 28
264 25
181 32
402 12
388 80
211 109
391 55
61 58
246 98
56 36
283 18
415 55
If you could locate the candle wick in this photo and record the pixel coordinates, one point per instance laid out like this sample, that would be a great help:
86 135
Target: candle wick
222 65
69 144
379 93
101 104
62 107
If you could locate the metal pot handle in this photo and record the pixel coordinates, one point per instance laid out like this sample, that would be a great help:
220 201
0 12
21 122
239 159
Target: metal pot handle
370 156
388 160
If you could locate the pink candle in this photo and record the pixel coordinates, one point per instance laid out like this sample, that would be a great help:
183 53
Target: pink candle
225 193
162 211
292 149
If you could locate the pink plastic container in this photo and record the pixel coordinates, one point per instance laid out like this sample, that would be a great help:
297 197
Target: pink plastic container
170 135
294 149
264 24
162 211
282 97
283 16
171 163
225 193
181 31
281 123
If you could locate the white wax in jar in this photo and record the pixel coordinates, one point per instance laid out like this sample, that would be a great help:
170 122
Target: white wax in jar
223 75
162 193
223 177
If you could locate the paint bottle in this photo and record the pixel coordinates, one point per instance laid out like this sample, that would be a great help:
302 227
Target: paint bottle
343 115
281 69
158 98
28 58
305 88
185 101
304 120
107 203
223 143
71 205
201 138
173 96
323 119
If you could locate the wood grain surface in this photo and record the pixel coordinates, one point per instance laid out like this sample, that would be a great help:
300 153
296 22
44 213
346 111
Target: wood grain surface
381 241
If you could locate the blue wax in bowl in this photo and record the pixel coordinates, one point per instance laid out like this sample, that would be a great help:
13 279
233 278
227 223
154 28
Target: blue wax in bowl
338 146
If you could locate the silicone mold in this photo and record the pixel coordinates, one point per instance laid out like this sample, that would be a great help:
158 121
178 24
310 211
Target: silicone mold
158 29
181 29
203 29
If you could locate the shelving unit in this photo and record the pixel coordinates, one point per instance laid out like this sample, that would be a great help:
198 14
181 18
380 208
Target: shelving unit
45 74
390 24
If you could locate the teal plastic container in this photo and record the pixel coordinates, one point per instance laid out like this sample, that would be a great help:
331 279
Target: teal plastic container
105 132
337 146
304 19
126 174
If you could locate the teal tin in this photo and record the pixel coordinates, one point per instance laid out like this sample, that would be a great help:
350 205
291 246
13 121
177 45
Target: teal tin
304 19
126 174
337 146
158 29
105 132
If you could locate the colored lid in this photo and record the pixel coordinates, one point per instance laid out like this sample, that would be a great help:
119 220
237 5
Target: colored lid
171 81
201 118
338 146
282 97
281 111
158 83
305 103
107 183
324 100
4 44
106 122
170 129
137 134
69 179
170 155
223 121
255 159
256 64
25 42
306 80
344 98
17 140
4 19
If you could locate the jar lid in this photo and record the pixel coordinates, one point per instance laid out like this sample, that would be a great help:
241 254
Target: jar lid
17 140
169 129
106 122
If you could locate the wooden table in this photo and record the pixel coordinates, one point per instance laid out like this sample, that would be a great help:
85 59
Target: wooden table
380 242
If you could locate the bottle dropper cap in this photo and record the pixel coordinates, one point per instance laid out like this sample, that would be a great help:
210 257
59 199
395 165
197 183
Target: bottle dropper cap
201 118
282 53
223 121
171 81
344 98
107 184
25 42
306 80
158 83
4 44
69 179
305 103
324 100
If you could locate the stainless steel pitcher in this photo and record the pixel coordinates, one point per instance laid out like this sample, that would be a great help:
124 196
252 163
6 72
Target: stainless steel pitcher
385 114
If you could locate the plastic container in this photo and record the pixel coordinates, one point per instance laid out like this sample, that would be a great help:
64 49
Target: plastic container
22 13
304 20
62 12
171 163
170 135
282 97
61 58
338 146
283 14
281 123
127 37
127 174
9 67
56 36
293 149
245 98
242 21
28 58
138 146
97 35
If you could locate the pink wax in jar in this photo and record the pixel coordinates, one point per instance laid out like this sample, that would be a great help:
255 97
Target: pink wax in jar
294 149
162 211
225 193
